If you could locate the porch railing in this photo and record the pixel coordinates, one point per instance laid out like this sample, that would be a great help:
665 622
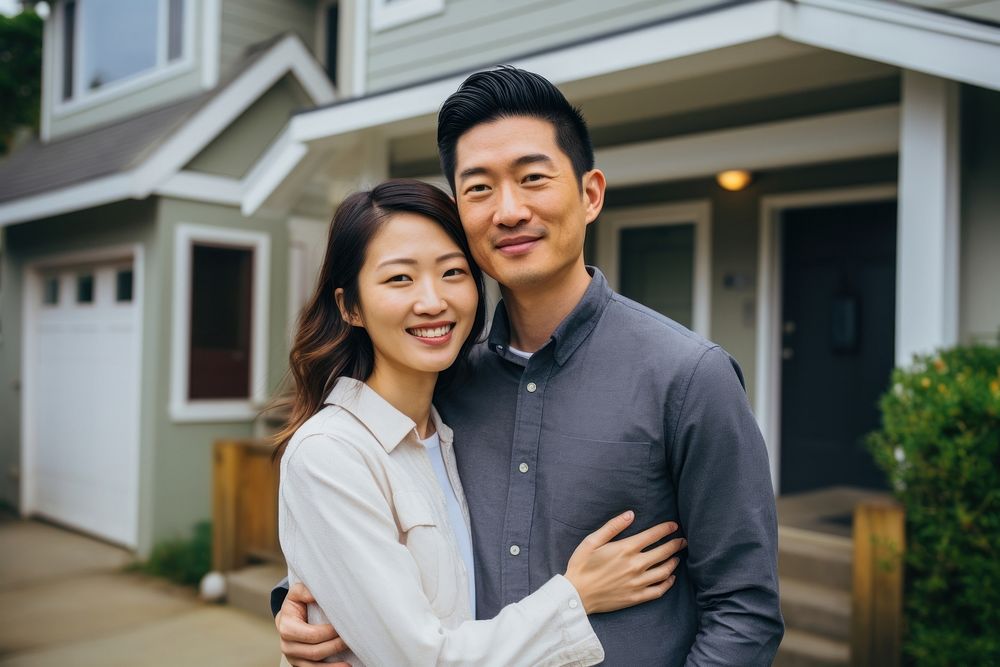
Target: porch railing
877 609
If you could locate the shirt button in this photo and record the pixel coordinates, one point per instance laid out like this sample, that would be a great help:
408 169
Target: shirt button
514 550
573 604
499 348
523 467
531 387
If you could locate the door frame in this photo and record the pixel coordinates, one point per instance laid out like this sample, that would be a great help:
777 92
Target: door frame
31 294
770 285
696 211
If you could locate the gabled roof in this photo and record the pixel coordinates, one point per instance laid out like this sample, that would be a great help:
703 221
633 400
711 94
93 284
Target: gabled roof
134 157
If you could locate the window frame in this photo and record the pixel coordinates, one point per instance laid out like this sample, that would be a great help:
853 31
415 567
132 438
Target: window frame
164 69
386 14
187 410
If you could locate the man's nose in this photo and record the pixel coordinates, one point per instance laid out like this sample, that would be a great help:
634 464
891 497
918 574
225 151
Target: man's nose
511 209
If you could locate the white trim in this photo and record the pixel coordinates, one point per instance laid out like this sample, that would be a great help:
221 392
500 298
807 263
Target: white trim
928 256
813 139
767 381
182 409
161 71
359 35
272 169
211 37
64 200
390 14
697 213
203 187
904 36
289 55
31 298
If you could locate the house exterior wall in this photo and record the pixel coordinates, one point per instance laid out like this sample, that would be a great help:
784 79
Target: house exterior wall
735 236
473 33
975 9
180 472
979 309
234 151
114 225
248 22
59 119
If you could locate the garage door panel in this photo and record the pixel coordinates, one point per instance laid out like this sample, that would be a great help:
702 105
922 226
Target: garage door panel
84 406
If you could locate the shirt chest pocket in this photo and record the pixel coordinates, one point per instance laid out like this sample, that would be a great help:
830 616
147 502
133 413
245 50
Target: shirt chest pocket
590 481
422 535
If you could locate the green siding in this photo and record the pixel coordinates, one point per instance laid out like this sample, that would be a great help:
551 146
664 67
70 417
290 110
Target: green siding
235 151
249 22
182 471
478 33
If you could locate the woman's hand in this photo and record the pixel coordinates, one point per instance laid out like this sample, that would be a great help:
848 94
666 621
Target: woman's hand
614 575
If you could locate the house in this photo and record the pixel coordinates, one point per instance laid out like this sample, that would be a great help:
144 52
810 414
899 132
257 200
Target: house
143 314
868 132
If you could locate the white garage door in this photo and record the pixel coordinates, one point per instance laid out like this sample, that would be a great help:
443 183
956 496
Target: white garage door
82 398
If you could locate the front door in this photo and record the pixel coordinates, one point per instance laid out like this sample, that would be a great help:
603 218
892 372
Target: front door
838 328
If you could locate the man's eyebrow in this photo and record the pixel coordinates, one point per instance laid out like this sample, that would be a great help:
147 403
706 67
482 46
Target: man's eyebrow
531 158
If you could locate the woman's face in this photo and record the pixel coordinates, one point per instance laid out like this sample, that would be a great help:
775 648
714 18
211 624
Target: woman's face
418 297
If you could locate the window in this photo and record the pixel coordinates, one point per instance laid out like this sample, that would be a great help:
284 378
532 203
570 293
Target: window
332 26
391 13
50 291
123 285
218 362
221 287
108 41
85 288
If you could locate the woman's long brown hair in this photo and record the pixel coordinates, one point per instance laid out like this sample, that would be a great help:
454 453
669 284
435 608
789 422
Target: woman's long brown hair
325 346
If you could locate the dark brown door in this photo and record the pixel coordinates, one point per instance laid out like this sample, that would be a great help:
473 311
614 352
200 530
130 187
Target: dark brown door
838 332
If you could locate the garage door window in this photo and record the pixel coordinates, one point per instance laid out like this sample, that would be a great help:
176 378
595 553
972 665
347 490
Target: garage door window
50 291
123 286
85 288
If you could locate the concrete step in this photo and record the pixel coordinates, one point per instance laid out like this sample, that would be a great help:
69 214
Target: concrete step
816 609
250 588
816 558
803 649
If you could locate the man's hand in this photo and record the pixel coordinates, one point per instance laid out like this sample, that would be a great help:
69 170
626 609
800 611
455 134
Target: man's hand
305 645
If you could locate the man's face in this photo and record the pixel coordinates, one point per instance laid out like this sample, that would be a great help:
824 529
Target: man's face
522 206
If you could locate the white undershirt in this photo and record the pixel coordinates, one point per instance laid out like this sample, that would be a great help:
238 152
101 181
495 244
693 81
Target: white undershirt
455 517
520 353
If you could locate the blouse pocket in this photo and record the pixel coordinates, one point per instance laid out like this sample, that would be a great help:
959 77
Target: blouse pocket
422 536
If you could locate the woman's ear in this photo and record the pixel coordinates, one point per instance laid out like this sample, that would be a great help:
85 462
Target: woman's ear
351 318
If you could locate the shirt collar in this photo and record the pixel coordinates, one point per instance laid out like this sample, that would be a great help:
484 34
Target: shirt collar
387 424
570 333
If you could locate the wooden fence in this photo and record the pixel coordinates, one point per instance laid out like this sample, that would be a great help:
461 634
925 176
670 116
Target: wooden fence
245 504
877 610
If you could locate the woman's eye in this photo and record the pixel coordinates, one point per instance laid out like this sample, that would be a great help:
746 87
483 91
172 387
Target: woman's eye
454 272
399 278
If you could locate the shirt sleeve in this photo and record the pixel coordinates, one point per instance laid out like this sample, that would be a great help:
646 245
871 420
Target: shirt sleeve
340 536
726 505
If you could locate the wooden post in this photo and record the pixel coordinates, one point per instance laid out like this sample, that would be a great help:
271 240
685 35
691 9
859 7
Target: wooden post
228 459
877 612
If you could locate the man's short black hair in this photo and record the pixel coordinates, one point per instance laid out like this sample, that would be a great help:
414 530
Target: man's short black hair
507 92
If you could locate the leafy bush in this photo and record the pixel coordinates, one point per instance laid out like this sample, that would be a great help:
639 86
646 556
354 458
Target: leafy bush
940 445
183 561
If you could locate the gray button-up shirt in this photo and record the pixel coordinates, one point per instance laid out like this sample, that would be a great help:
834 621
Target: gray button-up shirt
622 409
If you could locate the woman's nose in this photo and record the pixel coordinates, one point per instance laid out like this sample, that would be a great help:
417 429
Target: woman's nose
430 300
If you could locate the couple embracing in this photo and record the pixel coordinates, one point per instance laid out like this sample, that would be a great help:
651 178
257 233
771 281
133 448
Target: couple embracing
588 481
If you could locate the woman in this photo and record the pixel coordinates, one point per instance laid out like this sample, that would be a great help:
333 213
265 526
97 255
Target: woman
372 517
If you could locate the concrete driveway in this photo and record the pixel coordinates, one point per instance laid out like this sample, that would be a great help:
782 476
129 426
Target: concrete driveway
65 600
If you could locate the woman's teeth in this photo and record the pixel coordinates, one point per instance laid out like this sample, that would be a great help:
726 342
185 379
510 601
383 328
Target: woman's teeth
436 332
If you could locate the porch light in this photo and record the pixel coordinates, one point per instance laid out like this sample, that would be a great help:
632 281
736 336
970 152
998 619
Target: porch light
734 179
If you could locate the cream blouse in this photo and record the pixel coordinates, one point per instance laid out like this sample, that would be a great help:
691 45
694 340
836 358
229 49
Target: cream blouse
363 524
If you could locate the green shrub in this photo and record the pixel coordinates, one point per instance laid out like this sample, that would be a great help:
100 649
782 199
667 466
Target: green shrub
940 445
184 560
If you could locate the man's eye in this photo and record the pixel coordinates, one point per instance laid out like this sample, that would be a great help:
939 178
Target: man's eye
477 188
534 178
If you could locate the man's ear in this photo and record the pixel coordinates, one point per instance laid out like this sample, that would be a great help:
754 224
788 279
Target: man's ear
351 318
593 188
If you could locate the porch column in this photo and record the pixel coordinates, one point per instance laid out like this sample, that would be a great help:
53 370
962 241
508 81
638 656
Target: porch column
928 227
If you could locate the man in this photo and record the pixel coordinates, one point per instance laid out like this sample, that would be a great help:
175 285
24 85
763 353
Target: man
583 403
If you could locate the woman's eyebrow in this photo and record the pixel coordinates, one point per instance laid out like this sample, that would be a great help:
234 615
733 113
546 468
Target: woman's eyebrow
410 261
